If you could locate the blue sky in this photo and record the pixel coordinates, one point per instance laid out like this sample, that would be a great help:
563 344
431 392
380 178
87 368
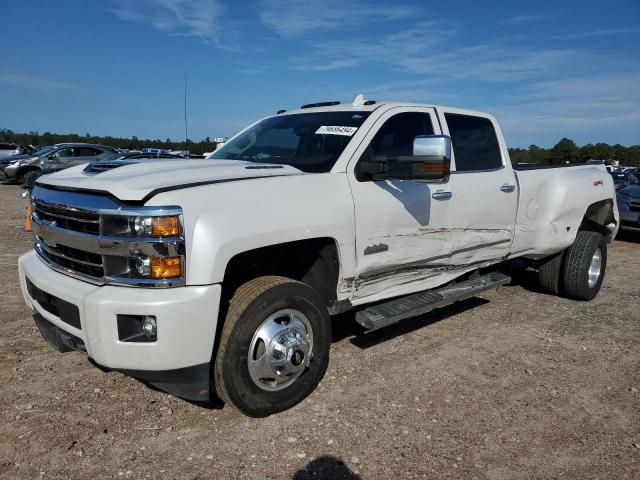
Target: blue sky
116 67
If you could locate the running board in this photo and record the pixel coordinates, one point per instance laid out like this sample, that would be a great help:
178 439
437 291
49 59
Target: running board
391 312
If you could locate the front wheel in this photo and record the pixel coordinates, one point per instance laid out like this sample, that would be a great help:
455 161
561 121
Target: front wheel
274 346
584 266
29 178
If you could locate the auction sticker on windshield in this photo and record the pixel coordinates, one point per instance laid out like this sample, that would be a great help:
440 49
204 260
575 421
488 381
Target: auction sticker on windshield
336 130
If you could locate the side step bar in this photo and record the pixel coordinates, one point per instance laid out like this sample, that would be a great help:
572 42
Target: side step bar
416 304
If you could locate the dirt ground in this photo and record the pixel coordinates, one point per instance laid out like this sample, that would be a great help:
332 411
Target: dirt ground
511 384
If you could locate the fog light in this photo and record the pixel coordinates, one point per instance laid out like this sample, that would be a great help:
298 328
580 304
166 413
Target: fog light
150 327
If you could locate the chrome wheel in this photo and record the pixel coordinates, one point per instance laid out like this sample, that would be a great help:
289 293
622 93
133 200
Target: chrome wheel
280 350
595 268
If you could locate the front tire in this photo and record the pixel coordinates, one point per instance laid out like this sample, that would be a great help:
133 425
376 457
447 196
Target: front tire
584 266
274 346
29 178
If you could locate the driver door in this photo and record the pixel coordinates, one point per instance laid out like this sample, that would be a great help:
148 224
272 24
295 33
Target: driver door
63 158
402 226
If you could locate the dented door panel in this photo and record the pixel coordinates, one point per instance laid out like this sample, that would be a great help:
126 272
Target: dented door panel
402 232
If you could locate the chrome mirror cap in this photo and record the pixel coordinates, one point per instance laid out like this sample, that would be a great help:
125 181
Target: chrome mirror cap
432 146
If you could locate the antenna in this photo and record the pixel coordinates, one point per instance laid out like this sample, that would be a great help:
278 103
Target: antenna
186 128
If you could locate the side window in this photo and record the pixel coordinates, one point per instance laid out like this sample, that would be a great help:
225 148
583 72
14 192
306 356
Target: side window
395 137
65 153
86 152
475 144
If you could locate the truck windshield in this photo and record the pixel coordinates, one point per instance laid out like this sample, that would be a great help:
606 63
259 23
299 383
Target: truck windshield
311 142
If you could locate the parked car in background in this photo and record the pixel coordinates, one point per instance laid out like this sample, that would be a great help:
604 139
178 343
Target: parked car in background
29 180
629 207
10 149
137 155
59 156
623 179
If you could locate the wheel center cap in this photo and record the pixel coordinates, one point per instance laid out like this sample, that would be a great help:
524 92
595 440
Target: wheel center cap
297 358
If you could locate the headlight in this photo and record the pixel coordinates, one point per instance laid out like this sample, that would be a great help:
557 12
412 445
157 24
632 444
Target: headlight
157 226
142 226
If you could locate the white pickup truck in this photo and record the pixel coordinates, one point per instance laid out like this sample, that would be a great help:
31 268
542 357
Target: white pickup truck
219 276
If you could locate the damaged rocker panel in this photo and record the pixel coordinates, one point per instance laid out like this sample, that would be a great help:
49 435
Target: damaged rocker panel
422 264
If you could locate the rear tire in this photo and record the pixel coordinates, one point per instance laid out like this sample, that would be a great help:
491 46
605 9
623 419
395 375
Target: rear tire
550 272
584 266
274 346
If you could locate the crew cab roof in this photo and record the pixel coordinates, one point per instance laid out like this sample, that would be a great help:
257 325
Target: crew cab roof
348 107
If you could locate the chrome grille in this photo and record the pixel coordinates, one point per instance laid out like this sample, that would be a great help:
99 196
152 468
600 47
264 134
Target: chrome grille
68 218
71 259
88 236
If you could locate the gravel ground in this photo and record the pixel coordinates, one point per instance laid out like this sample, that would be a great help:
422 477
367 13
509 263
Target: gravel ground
510 384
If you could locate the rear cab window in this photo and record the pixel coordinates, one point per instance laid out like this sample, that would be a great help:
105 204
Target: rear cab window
475 143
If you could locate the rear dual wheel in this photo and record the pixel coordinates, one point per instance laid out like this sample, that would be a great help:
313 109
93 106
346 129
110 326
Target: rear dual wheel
578 272
274 346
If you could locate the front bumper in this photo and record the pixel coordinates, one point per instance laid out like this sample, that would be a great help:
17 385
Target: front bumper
10 171
178 361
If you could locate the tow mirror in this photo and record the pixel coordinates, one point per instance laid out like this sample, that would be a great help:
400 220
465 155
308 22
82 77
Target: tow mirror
430 162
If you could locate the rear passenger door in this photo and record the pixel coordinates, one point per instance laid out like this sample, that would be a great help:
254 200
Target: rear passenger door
85 155
486 197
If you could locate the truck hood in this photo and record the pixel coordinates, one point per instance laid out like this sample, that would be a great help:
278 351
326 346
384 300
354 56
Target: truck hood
139 180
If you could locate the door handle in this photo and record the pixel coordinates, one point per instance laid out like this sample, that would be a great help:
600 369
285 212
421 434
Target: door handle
441 195
508 188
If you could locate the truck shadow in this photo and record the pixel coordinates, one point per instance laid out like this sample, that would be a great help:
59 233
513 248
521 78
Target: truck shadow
627 236
527 279
326 467
345 326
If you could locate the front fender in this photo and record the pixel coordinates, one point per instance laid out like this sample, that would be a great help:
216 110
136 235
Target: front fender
226 219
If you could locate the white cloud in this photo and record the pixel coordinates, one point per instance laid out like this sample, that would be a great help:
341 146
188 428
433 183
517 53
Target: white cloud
575 107
22 80
521 19
197 18
599 33
395 49
295 17
425 48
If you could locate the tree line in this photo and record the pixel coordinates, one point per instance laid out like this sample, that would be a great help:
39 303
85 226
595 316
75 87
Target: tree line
133 143
564 151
